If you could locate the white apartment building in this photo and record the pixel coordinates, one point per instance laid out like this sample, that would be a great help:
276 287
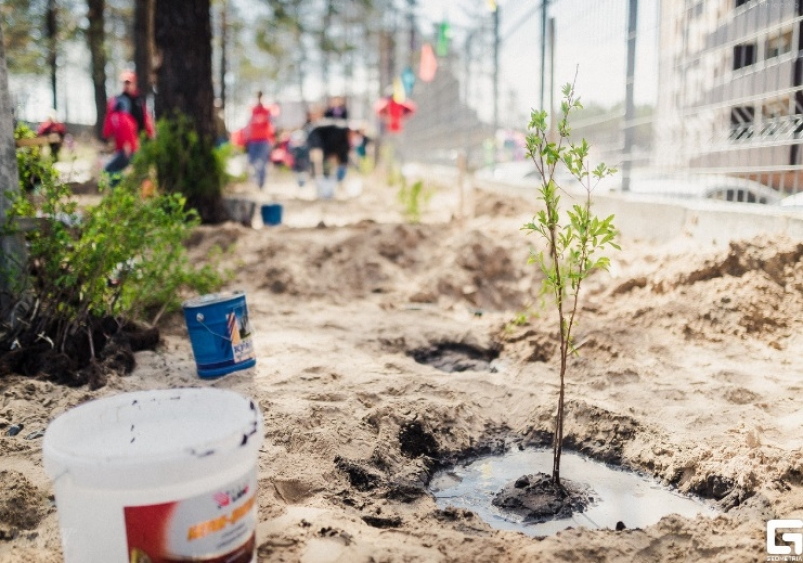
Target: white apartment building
731 89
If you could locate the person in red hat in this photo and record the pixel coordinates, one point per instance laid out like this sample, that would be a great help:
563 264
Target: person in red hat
127 118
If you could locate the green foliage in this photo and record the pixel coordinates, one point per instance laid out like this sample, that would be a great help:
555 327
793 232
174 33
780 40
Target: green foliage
25 32
413 199
295 33
520 319
183 162
34 167
572 240
122 258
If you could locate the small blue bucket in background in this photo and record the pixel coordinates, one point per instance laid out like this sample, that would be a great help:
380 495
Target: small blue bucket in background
272 214
220 333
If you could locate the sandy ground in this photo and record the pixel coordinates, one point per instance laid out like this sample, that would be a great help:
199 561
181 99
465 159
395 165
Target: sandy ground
689 368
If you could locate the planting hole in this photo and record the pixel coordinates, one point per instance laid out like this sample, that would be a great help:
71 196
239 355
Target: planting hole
617 496
455 357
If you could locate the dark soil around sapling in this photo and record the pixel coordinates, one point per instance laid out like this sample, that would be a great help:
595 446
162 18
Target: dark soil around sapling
537 498
80 362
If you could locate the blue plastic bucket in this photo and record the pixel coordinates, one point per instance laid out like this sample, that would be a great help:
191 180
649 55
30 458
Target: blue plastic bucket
220 333
272 214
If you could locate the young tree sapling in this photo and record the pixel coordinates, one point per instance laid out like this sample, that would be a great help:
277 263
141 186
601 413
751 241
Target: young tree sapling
573 241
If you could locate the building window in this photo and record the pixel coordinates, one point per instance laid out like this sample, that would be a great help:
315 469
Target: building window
778 45
775 108
742 119
744 55
741 2
775 118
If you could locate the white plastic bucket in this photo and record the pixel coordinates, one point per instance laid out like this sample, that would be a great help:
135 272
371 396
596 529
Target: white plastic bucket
157 476
326 187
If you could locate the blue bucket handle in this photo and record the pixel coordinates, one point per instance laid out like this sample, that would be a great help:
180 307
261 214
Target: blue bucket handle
200 318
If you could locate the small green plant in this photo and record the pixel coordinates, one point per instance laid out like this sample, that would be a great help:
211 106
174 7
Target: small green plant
34 167
122 259
572 238
413 199
520 319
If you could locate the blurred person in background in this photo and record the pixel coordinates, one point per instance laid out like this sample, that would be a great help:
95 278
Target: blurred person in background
52 126
299 150
328 141
127 118
336 108
359 143
259 135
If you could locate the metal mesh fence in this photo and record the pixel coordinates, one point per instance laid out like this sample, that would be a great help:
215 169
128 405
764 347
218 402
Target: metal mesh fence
495 72
688 98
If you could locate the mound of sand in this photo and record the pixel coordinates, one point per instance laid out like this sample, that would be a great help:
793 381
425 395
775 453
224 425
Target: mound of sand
688 369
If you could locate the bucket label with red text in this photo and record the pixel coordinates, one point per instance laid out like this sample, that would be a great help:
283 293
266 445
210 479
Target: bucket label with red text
215 527
239 328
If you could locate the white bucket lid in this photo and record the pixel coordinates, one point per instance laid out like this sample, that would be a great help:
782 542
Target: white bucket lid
153 438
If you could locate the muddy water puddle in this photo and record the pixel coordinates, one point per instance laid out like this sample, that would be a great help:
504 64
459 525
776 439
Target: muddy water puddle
619 496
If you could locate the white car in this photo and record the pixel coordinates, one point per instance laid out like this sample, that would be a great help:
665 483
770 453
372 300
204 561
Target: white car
792 201
694 186
644 183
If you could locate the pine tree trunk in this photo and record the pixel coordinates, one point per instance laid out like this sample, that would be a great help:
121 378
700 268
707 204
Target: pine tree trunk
183 41
143 45
224 40
183 36
11 248
51 29
96 40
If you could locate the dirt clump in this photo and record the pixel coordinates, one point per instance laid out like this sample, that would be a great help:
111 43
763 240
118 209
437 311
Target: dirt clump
537 498
22 505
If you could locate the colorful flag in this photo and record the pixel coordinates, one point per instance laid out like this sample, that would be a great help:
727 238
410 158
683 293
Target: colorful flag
408 80
444 35
398 90
429 63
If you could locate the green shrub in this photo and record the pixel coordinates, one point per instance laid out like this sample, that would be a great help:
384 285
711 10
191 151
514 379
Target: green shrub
182 161
34 167
122 258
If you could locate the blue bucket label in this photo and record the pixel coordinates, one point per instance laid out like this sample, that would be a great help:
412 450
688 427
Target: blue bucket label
242 346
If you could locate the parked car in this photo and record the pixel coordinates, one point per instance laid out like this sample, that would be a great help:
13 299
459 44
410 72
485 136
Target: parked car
742 190
698 186
645 183
792 201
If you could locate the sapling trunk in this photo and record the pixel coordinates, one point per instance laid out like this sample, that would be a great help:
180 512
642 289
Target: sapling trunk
570 244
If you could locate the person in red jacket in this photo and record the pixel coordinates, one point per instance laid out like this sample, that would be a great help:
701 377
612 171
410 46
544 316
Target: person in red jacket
126 119
52 126
259 136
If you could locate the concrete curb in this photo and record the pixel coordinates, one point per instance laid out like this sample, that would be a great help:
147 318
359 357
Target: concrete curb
661 220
